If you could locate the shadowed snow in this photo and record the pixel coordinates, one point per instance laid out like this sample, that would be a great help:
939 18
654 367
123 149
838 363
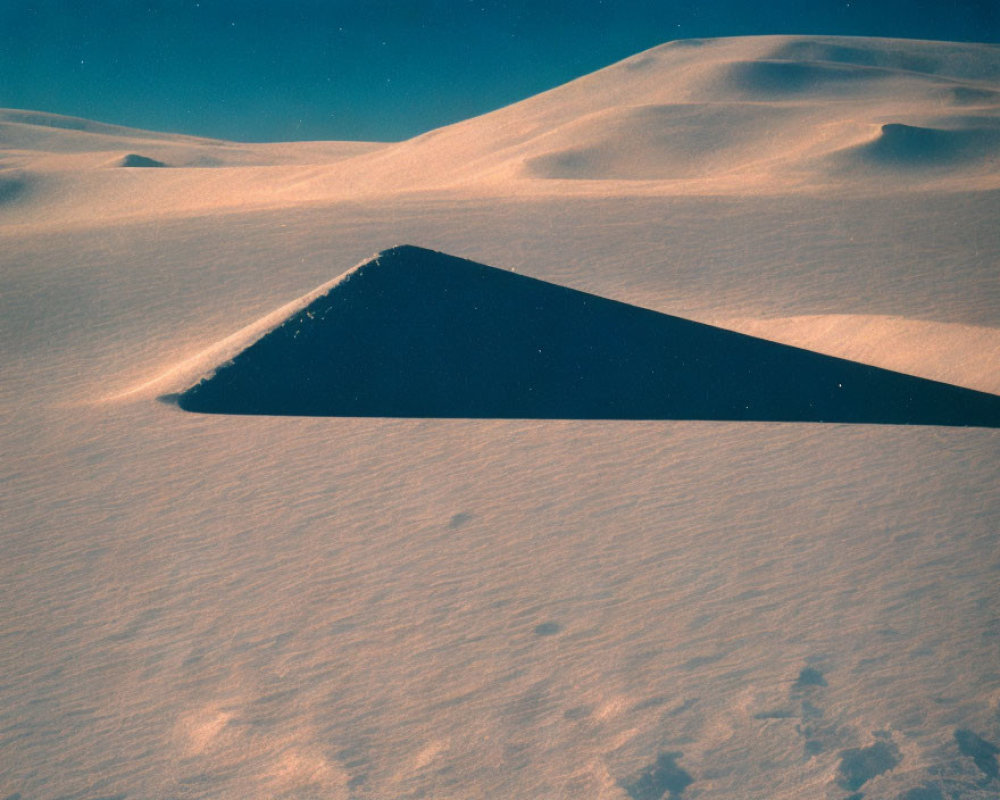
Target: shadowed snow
415 333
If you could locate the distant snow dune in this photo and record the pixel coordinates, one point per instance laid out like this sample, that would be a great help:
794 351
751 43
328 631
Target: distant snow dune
972 144
770 118
758 115
558 527
135 160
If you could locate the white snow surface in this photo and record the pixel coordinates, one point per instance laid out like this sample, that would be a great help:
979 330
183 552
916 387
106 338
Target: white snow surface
197 606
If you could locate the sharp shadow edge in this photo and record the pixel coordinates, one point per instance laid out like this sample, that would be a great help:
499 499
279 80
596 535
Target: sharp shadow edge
415 333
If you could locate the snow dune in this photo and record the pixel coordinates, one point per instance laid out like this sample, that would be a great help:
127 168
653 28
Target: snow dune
135 160
414 333
758 115
230 606
29 136
948 352
965 144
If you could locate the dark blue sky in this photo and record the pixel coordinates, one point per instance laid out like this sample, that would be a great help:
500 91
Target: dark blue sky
257 70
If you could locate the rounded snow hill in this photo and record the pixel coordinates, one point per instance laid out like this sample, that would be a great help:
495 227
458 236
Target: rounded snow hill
762 114
768 115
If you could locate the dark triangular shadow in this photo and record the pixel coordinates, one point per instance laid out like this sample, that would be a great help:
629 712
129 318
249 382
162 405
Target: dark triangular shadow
415 333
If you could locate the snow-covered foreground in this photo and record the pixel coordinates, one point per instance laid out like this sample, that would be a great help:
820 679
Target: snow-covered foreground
200 606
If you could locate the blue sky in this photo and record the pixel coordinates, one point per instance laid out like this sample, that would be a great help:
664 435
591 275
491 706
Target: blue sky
264 70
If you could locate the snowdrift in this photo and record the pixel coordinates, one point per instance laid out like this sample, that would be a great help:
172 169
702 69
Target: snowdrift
416 333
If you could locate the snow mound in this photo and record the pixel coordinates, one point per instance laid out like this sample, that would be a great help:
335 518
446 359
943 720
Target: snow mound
971 96
902 146
767 79
683 140
42 119
416 333
13 187
136 160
